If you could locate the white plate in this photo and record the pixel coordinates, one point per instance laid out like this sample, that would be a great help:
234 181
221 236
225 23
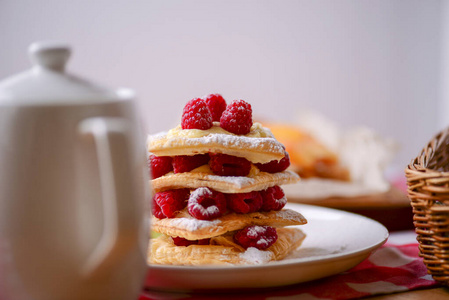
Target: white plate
336 241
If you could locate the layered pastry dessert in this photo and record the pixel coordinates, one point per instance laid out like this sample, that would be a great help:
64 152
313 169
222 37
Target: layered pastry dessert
217 189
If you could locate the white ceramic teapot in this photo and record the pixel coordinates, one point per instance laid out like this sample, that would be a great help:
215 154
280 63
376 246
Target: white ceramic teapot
73 186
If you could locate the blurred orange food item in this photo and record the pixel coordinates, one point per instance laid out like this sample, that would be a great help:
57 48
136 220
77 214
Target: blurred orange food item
308 157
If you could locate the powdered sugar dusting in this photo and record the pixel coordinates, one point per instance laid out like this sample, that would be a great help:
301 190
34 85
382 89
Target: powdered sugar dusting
282 201
263 243
241 181
237 181
157 136
199 207
256 231
255 256
288 214
233 141
193 224
200 192
259 231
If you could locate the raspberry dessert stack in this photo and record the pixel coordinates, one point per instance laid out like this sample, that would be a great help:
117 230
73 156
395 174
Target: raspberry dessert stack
217 195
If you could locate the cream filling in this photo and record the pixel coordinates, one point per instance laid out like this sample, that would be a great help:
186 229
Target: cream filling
257 131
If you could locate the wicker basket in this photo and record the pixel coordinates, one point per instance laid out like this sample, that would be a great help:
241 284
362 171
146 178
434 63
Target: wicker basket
428 190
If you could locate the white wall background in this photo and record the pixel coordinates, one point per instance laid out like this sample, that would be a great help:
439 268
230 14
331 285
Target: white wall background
373 63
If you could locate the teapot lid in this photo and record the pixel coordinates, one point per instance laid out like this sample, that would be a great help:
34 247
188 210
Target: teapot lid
48 83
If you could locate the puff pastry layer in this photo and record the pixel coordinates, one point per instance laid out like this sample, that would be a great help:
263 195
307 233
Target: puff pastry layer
256 150
222 251
187 227
230 184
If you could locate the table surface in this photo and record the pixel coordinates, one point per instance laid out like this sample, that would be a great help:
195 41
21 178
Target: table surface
432 294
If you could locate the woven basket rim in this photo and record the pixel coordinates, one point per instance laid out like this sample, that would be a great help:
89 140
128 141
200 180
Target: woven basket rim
427 153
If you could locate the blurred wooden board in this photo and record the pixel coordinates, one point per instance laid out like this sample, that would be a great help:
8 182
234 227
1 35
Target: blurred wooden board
392 208
392 198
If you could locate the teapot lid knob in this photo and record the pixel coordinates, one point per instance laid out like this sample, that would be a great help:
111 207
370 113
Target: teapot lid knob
49 55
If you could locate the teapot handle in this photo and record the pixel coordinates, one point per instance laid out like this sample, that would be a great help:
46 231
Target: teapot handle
121 227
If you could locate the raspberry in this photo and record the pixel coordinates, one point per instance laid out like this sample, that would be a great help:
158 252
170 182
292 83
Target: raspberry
244 202
185 163
216 105
179 241
196 115
206 204
228 165
157 212
172 201
160 165
260 237
275 166
237 117
273 198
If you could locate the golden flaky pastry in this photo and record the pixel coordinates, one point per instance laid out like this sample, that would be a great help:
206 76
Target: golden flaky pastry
224 184
185 226
308 157
223 250
259 146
